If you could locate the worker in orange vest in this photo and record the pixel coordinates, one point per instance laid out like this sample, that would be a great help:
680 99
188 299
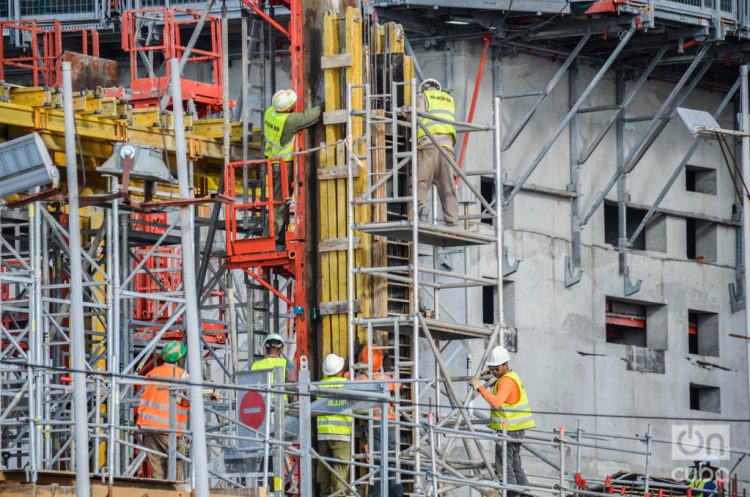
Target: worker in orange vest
153 411
379 374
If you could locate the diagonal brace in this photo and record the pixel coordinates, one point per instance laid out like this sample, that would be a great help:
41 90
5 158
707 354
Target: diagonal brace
569 116
547 90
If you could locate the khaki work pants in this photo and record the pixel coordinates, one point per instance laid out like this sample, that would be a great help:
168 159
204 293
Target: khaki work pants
281 212
159 441
433 169
328 483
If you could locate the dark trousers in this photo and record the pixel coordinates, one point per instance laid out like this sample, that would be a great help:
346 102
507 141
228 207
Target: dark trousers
515 474
394 489
281 211
159 441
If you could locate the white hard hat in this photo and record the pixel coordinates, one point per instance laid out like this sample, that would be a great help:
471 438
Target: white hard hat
708 462
332 364
284 100
430 82
273 337
498 356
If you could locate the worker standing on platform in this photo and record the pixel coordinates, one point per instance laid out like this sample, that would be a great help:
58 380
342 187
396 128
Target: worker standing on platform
153 411
379 374
432 167
704 482
334 431
510 407
280 125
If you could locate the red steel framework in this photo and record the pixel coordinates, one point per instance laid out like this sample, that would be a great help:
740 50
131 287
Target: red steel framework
257 255
147 90
42 58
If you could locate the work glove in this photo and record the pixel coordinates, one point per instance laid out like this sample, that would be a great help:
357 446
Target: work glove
475 382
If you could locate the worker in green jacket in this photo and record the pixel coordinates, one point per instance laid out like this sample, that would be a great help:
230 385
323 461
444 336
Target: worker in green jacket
274 358
280 126
334 431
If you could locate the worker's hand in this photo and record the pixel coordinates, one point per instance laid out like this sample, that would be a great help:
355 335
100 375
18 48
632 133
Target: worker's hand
216 395
475 382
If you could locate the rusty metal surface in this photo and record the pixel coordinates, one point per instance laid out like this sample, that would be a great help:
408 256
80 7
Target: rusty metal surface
90 72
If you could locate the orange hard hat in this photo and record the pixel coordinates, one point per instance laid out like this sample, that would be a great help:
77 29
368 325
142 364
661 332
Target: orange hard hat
377 358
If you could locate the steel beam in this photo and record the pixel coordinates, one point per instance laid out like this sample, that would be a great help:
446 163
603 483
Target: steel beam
569 116
649 134
573 262
547 90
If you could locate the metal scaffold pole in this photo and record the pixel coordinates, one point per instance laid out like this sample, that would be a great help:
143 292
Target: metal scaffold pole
77 332
745 109
192 321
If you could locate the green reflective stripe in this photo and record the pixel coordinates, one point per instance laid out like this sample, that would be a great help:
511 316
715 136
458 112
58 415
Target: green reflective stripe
273 128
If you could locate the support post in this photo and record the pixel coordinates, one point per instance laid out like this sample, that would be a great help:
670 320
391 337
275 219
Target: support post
305 436
573 262
745 107
192 320
77 332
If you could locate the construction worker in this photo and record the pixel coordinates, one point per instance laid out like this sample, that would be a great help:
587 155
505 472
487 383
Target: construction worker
280 126
274 358
705 476
510 407
334 431
379 374
153 411
432 167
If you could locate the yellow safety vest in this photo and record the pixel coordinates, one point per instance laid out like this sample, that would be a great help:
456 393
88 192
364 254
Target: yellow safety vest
700 484
334 426
273 128
441 105
271 363
518 416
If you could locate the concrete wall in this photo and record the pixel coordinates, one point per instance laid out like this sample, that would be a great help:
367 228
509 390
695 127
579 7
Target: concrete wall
570 370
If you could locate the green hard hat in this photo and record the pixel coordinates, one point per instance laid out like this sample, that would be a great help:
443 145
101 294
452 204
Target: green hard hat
173 351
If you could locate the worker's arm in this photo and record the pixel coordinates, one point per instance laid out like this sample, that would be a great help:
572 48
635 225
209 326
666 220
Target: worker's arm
298 121
421 103
504 391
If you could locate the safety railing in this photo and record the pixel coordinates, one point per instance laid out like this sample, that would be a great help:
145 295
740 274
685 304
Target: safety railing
250 216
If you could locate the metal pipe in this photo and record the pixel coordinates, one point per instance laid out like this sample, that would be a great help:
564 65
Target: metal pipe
77 331
745 109
192 320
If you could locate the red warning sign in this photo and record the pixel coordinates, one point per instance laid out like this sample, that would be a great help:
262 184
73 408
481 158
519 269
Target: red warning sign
252 410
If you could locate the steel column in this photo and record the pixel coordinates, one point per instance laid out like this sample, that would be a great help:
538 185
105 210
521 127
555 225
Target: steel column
77 331
192 319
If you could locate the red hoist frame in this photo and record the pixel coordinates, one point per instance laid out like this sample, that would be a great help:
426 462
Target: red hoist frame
147 91
256 255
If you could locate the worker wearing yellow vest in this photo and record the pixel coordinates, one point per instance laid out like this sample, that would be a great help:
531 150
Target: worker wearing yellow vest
432 167
334 431
280 126
510 406
379 374
705 476
274 358
153 411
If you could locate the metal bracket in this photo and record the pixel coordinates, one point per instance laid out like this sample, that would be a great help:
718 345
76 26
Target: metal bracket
736 297
572 274
508 267
630 288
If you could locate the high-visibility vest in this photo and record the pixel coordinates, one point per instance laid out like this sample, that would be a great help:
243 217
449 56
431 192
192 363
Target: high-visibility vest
334 426
518 416
273 128
440 104
391 388
153 410
271 363
700 484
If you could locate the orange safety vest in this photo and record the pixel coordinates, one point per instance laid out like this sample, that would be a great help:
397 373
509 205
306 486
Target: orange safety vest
391 388
153 410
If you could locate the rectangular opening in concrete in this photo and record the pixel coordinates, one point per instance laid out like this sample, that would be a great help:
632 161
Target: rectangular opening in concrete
487 189
701 240
490 313
703 333
626 323
700 179
653 237
705 398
